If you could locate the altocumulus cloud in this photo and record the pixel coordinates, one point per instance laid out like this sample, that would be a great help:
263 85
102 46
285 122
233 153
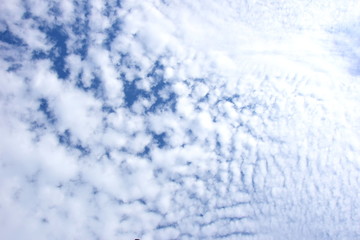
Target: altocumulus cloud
179 119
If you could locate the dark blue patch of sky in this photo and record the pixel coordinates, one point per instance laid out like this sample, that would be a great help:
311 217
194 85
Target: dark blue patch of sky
10 38
46 110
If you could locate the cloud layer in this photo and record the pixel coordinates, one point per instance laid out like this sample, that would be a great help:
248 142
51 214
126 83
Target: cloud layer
179 120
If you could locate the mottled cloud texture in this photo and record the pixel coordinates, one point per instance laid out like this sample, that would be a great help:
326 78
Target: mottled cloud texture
192 119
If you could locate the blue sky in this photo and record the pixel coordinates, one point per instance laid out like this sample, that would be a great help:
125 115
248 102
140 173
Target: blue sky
179 119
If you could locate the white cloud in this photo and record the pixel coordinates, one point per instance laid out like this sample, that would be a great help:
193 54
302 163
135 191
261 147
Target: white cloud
246 125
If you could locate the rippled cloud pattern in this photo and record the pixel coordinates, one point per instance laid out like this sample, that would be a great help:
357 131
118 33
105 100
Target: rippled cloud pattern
157 119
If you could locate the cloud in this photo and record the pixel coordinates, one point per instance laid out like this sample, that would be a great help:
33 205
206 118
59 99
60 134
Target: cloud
179 120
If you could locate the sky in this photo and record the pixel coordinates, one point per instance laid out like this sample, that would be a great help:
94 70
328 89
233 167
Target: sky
179 119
